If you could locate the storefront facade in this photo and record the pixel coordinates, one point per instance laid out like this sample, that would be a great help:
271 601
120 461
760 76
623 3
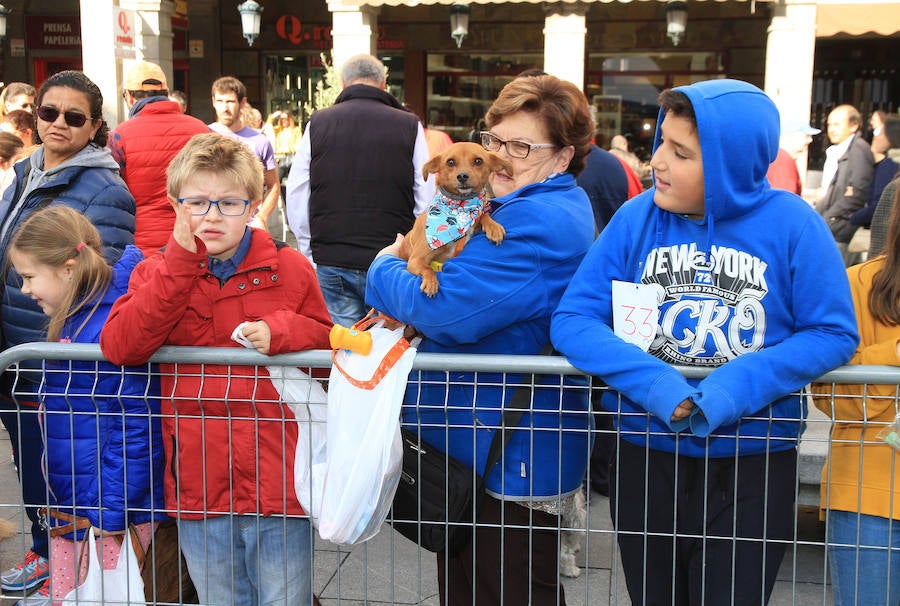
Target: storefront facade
618 53
809 55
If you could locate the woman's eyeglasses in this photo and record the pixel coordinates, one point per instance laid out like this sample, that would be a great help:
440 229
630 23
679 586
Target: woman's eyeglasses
516 149
72 118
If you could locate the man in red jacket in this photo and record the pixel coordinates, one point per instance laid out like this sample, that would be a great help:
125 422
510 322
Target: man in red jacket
143 146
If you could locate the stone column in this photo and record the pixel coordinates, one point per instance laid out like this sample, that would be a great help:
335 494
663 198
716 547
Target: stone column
564 39
97 44
154 38
153 41
354 30
790 53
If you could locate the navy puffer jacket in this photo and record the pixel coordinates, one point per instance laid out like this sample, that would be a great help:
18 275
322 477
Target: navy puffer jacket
90 183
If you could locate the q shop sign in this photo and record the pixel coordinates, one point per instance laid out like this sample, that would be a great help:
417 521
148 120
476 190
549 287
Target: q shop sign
124 22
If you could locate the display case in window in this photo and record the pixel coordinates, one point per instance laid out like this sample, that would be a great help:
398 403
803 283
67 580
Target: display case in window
624 90
607 113
461 88
292 81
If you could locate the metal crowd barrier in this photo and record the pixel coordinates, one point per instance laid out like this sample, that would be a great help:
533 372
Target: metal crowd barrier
392 570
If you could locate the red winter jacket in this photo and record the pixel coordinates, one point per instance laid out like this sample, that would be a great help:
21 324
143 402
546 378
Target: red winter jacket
143 146
220 423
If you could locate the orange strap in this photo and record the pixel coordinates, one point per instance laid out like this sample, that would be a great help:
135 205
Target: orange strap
387 362
74 522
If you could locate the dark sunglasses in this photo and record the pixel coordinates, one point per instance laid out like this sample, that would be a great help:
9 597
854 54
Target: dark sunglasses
50 114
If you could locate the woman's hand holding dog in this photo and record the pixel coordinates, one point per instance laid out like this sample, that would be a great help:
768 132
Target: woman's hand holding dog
392 249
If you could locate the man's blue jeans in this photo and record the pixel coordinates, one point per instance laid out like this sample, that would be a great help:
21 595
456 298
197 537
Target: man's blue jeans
249 560
345 293
878 579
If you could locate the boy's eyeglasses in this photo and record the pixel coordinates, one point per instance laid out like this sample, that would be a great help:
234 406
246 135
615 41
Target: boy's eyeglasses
72 118
230 207
516 149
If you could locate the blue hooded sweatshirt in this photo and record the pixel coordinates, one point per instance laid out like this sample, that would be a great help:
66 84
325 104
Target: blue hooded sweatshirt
754 290
498 299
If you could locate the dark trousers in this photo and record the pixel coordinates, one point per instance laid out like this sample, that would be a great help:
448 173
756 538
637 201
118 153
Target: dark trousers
604 450
24 430
515 566
717 510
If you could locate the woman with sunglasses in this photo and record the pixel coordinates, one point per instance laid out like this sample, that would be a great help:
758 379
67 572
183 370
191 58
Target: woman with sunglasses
498 300
72 167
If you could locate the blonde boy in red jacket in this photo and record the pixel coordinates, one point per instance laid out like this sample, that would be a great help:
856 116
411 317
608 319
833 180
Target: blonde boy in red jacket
229 443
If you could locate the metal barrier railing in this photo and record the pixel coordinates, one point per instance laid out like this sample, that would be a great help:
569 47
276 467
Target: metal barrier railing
391 569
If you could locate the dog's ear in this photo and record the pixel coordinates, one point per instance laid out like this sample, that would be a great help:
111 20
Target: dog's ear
497 164
432 166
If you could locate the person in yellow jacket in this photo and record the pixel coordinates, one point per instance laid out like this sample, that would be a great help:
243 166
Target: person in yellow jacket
287 136
861 477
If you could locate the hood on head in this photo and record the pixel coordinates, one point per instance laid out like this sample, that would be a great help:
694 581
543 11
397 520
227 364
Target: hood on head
739 126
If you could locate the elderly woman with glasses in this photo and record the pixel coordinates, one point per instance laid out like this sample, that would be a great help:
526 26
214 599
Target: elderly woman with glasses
72 167
498 300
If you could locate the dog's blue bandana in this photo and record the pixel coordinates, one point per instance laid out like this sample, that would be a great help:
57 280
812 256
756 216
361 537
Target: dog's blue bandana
450 219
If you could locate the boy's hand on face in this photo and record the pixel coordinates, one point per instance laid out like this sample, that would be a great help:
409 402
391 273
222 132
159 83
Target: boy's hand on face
259 335
183 233
257 222
682 412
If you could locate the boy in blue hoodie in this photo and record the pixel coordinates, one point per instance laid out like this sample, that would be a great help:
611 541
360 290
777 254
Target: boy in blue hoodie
710 268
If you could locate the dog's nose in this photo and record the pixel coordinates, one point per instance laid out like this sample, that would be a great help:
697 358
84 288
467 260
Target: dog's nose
462 177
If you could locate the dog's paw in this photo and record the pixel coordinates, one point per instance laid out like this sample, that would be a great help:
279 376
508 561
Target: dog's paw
567 565
429 287
495 233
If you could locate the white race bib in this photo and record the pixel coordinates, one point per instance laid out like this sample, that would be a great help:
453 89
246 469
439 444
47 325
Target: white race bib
636 312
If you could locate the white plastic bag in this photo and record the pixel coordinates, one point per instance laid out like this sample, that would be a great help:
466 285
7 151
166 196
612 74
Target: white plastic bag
122 585
365 451
307 400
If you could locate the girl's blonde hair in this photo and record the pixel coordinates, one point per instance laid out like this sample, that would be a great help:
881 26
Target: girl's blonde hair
54 235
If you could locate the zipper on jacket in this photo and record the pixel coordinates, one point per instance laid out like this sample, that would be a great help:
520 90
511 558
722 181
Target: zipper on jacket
173 466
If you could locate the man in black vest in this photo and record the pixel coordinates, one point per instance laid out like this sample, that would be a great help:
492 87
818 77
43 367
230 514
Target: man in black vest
356 182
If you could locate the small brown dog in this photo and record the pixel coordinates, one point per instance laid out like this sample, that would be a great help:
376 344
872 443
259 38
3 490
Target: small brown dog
457 210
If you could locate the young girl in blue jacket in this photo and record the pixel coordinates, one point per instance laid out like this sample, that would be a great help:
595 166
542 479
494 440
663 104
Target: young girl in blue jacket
103 451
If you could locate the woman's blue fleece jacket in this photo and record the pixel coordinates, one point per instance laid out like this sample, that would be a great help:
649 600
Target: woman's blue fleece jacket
104 452
498 299
755 291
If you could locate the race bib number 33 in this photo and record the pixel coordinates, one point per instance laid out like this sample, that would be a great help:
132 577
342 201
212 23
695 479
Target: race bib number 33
635 312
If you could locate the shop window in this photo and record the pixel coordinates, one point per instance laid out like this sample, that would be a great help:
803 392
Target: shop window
291 82
858 71
623 90
461 88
